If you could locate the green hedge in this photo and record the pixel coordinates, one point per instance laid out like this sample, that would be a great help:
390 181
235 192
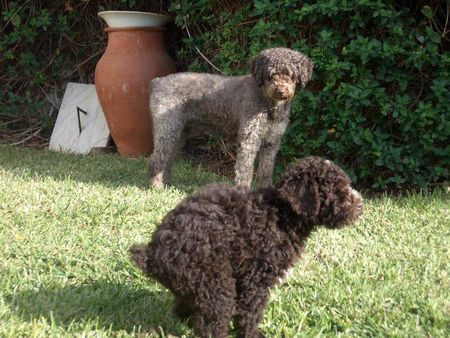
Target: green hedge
378 102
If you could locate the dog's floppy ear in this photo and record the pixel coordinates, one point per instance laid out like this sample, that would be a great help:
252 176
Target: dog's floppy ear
301 192
258 66
138 255
304 67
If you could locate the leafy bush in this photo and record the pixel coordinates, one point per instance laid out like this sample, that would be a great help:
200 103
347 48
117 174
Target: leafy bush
378 100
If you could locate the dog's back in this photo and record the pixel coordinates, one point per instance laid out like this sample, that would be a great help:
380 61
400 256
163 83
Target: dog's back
191 85
205 103
198 231
221 229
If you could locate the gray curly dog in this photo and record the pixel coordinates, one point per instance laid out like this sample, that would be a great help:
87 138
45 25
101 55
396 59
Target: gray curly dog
252 109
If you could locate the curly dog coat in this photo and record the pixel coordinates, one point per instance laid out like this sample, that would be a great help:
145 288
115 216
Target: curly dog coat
222 248
251 109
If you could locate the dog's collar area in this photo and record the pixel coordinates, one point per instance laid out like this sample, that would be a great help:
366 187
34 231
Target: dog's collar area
277 109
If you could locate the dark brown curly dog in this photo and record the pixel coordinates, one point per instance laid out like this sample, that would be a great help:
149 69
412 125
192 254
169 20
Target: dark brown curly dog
221 249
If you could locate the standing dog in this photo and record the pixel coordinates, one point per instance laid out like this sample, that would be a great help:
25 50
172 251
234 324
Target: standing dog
251 109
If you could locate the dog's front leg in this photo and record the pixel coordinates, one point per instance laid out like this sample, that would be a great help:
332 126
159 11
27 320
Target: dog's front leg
266 163
269 148
249 142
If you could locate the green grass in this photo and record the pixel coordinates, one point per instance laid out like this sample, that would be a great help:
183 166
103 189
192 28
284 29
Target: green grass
66 222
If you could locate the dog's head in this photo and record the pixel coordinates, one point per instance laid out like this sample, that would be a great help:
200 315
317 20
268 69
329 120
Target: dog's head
320 193
278 70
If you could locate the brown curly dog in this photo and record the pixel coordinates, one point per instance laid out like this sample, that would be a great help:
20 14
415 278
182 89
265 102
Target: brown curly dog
222 248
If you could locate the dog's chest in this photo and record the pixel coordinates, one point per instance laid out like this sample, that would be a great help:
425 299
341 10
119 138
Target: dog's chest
274 130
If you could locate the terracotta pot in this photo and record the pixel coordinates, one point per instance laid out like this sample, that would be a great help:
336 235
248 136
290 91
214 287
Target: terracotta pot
133 56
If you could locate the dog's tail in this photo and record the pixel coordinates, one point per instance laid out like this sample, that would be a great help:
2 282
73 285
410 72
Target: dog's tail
139 255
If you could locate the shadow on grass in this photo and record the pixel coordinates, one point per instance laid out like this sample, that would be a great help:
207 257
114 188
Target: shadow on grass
109 307
110 170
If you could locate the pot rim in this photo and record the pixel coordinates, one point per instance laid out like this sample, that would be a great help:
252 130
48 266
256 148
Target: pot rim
119 19
136 12
134 28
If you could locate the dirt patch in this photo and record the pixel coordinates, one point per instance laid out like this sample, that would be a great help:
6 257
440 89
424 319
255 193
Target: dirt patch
213 154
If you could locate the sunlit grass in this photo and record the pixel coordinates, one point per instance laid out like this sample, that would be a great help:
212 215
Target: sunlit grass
66 223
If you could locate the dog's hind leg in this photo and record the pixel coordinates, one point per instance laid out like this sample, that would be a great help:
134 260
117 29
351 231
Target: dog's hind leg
183 307
213 318
214 301
168 139
250 310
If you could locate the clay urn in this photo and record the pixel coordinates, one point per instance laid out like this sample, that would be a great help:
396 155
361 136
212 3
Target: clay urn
135 54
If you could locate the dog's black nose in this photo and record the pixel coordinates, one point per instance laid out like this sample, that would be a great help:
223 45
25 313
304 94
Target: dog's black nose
282 93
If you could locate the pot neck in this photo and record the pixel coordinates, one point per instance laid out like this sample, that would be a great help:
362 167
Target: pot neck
135 36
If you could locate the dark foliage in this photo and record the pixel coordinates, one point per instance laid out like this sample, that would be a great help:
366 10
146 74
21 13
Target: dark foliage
378 100
44 45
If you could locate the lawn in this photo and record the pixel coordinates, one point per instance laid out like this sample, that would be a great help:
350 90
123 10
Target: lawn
66 223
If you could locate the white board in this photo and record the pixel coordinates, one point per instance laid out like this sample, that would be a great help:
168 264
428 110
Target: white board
80 125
